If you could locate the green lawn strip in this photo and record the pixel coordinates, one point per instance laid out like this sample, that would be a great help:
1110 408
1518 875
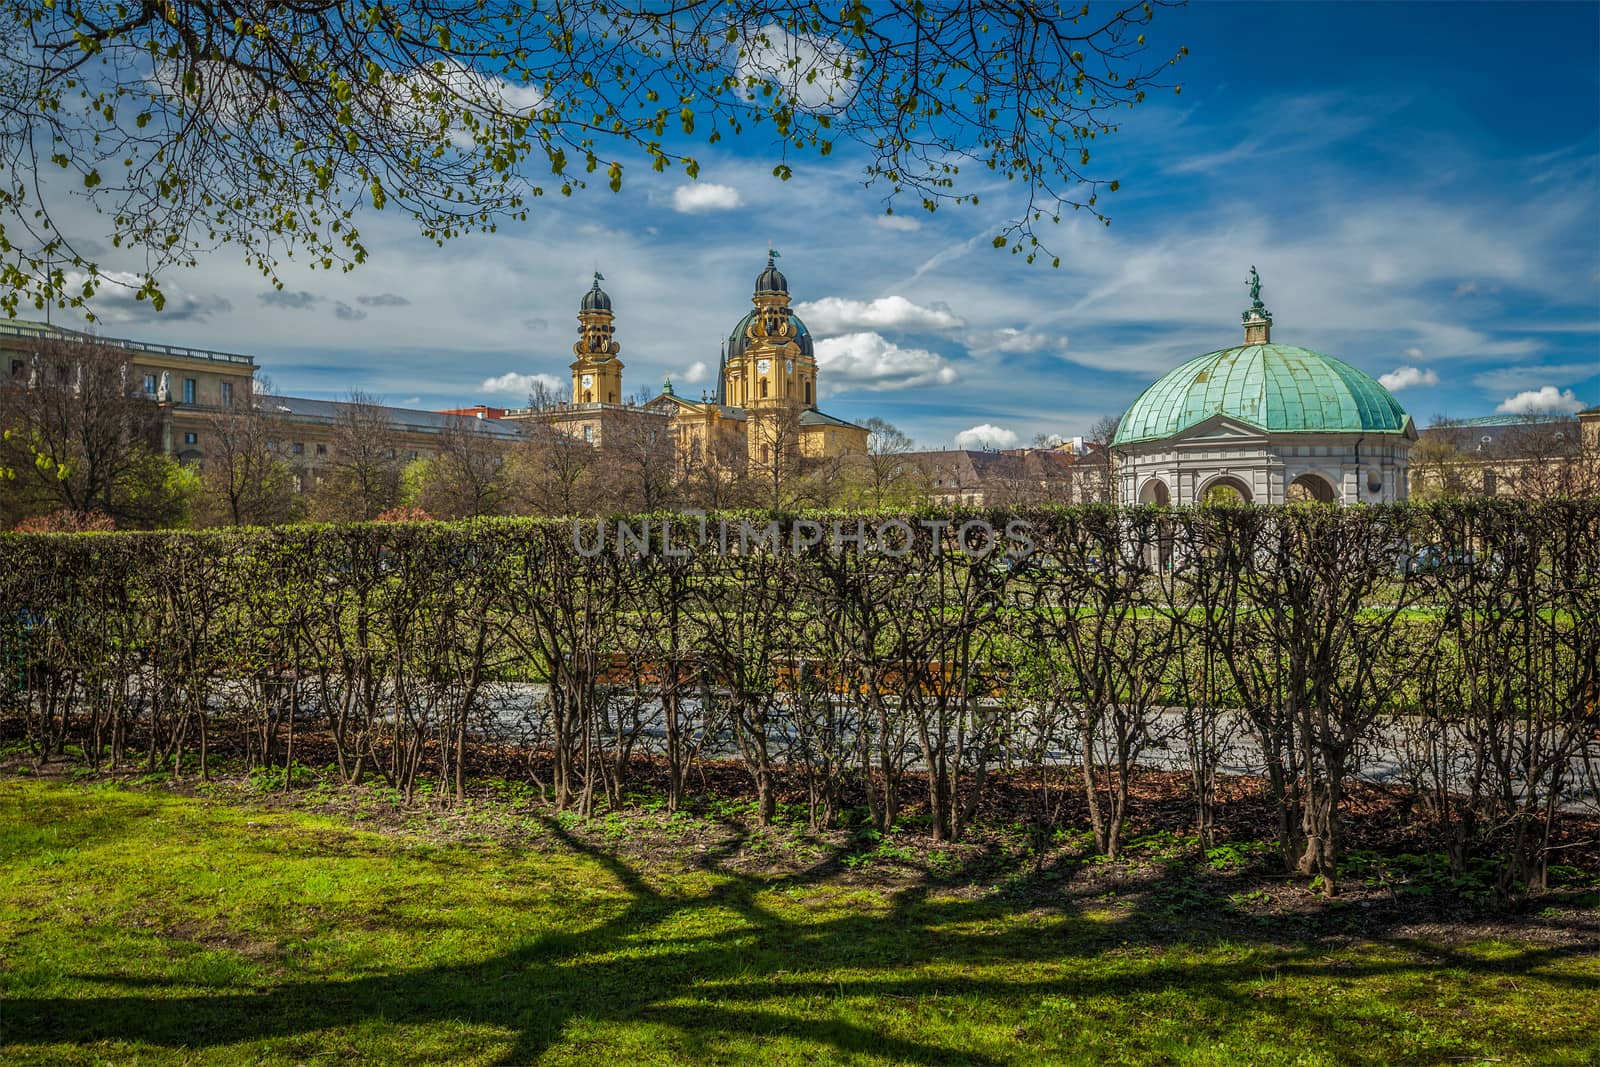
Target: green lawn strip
151 928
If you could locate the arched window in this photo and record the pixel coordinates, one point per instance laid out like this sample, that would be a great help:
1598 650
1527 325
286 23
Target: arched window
763 389
808 394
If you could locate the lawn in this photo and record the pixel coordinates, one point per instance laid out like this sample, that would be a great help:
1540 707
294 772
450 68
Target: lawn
142 926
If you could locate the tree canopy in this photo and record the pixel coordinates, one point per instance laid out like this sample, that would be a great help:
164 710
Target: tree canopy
271 126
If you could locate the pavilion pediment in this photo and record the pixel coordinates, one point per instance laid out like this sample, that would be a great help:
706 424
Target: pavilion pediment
1220 429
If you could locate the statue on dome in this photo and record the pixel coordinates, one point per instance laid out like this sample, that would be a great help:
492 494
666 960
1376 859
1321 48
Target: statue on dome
1255 286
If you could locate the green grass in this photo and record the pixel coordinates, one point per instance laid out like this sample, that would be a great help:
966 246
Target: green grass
143 927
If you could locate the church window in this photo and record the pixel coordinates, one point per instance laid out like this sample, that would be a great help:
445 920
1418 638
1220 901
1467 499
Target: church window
191 438
763 388
808 393
587 396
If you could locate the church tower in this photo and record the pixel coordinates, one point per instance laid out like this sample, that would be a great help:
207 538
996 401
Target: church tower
597 372
770 361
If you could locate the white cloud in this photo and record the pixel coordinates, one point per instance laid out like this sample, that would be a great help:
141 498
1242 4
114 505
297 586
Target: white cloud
867 361
1547 400
986 436
1010 339
901 223
705 196
837 314
811 71
523 385
116 299
696 373
1405 377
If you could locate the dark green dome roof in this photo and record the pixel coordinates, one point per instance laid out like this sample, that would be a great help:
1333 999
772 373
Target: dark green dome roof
738 340
1279 388
595 299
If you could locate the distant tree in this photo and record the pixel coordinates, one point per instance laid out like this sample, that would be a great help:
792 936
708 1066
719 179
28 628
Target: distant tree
466 477
1436 469
713 475
363 478
638 462
887 476
244 481
268 126
1102 465
777 464
76 434
549 471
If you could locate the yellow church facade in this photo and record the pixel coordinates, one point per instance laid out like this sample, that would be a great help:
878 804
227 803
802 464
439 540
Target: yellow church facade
765 406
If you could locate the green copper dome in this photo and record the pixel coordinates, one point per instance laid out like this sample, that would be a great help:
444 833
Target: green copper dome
1279 388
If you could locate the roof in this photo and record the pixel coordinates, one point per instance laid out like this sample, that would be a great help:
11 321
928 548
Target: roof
25 328
412 419
1510 436
1273 387
813 417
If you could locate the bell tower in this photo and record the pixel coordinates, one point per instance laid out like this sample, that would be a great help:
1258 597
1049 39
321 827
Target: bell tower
597 372
776 369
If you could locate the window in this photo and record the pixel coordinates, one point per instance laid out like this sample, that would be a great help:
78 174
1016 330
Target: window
16 368
1489 483
299 448
588 434
763 388
191 438
188 390
808 394
227 394
149 385
322 449
413 454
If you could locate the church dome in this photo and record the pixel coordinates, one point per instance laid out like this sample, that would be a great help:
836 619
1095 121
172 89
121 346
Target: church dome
772 280
595 299
1278 388
739 340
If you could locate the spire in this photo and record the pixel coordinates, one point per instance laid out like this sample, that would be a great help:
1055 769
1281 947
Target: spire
666 387
1257 320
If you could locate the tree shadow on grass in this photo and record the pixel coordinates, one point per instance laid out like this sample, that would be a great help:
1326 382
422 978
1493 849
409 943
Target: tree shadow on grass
650 963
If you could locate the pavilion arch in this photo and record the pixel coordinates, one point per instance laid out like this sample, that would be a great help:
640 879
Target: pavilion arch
1311 488
1155 491
1226 489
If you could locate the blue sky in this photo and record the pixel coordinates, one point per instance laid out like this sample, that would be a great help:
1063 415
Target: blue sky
1418 185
